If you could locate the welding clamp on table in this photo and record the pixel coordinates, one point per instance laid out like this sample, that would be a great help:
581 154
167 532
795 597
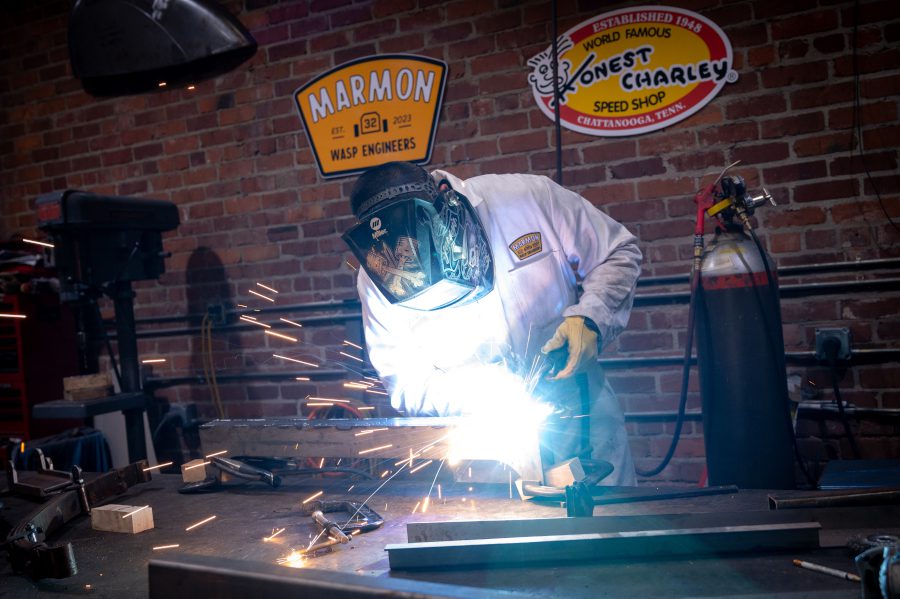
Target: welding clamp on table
229 468
63 497
361 518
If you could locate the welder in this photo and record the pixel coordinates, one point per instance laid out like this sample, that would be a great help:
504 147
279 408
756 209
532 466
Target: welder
494 270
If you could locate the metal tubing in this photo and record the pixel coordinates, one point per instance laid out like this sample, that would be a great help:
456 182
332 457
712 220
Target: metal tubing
320 374
799 290
889 496
789 271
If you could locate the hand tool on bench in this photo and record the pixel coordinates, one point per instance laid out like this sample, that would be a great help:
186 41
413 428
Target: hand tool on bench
361 518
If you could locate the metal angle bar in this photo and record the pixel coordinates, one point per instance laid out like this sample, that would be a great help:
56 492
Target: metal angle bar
845 518
459 530
208 576
603 546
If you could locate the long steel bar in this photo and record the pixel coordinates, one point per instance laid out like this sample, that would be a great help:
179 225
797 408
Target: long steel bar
603 546
209 576
828 518
427 438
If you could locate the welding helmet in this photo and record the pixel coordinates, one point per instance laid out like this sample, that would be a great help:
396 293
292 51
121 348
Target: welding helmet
420 242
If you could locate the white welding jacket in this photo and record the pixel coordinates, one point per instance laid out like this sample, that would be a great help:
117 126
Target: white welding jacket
542 237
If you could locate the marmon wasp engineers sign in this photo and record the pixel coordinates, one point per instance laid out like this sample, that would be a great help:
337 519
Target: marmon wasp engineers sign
634 70
372 110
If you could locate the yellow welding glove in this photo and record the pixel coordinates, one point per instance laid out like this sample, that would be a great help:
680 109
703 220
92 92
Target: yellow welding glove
577 335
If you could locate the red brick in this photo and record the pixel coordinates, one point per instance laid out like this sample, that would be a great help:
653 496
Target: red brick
829 143
882 137
833 93
793 125
734 132
760 153
795 172
869 114
639 168
792 218
795 74
801 25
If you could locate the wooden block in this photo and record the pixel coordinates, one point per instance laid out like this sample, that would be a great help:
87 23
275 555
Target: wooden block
194 471
564 473
89 386
116 518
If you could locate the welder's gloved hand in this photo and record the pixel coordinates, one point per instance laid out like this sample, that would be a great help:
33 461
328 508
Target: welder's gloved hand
577 334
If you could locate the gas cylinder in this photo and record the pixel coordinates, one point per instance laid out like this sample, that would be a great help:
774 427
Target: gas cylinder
740 350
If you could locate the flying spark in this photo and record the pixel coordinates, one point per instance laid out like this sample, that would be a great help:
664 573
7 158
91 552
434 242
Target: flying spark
201 523
212 455
43 243
322 464
280 336
383 474
158 547
296 360
265 297
302 378
366 408
375 391
294 559
311 497
296 324
135 511
274 534
196 465
425 504
353 357
369 432
353 268
252 320
357 386
157 466
351 344
370 450
153 361
417 507
419 467
241 305
267 288
12 316
319 404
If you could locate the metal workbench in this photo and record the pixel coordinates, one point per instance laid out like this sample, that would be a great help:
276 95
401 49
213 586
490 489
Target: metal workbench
116 565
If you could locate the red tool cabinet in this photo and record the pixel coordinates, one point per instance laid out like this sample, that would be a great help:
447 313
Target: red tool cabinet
36 352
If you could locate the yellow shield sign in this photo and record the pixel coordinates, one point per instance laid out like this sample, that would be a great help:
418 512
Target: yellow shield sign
372 110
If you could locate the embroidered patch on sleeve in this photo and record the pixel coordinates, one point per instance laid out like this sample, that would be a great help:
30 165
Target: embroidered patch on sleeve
527 245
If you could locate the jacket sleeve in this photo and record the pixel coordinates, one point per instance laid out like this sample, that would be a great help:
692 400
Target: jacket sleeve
391 347
604 255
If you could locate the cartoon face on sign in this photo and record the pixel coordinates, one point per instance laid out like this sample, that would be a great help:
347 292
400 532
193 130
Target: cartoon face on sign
541 77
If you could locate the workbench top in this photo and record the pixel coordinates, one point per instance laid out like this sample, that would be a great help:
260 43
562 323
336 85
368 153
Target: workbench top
115 564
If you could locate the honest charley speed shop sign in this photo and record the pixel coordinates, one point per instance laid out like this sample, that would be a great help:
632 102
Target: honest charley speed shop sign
634 70
373 110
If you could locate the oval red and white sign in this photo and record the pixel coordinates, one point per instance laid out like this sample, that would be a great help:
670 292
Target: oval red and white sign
634 70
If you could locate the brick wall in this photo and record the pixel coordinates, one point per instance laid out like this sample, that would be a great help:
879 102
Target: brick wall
234 158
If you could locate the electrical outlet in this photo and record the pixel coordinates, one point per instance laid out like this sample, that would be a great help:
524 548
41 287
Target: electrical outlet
217 313
841 334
